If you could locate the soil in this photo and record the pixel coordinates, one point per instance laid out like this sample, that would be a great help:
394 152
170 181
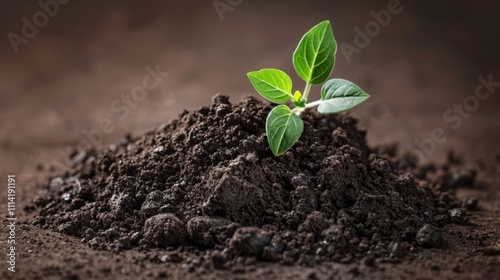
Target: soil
205 191
424 63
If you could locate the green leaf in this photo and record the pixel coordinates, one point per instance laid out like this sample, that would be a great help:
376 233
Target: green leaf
315 55
338 95
283 128
297 96
298 101
273 84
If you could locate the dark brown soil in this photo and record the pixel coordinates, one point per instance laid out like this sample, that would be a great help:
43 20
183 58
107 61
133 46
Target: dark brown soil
426 61
207 183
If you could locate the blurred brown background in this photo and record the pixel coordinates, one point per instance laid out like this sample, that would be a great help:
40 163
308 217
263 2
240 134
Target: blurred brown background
67 77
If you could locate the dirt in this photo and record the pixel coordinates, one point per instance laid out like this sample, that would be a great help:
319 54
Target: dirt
422 64
207 183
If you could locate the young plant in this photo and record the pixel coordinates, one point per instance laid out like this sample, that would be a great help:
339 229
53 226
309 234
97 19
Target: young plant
313 61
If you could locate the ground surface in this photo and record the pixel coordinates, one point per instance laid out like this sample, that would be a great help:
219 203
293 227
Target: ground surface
48 98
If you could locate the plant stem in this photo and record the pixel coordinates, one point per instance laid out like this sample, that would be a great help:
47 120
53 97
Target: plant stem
306 91
314 104
298 110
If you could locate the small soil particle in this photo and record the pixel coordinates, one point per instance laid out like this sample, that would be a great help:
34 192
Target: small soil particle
164 230
471 203
429 236
457 215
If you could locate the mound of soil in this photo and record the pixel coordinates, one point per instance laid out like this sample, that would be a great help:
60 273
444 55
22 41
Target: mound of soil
208 182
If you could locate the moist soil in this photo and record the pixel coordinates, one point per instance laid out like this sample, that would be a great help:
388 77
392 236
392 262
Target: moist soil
205 192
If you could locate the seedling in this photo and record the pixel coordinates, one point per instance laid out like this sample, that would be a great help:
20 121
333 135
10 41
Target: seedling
313 61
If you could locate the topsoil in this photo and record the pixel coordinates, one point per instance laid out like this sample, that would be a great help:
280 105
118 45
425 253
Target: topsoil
206 184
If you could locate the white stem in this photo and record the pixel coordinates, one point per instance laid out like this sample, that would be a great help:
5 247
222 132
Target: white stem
298 110
313 104
306 91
